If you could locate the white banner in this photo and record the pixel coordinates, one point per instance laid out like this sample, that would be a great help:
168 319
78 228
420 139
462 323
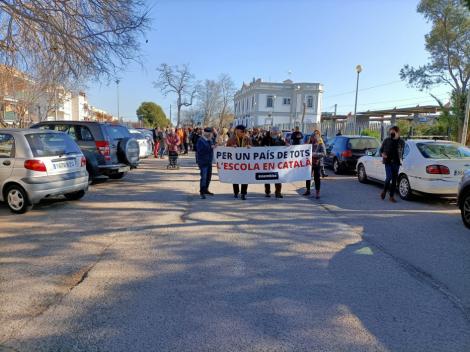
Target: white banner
264 164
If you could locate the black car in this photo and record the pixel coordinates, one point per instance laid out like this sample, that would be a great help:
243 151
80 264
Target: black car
109 149
342 152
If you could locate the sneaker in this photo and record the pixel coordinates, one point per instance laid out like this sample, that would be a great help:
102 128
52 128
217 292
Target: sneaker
392 199
306 193
382 195
279 195
243 197
235 196
267 195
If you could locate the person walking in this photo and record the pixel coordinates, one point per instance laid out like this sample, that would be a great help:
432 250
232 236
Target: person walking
163 146
392 152
273 139
173 142
157 139
240 139
296 137
318 152
204 159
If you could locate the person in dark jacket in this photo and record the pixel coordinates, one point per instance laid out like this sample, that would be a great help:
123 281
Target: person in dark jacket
240 140
273 139
392 153
296 136
204 157
318 152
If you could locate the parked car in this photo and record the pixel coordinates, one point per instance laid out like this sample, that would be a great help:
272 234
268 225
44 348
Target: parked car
430 167
37 164
342 152
109 149
145 144
149 134
464 198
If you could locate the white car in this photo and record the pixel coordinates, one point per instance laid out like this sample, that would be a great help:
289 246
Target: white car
428 166
145 147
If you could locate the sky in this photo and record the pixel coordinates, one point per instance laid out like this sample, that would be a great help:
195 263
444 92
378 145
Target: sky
304 40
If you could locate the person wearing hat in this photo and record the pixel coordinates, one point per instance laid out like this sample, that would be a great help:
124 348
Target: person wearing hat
240 139
273 139
204 157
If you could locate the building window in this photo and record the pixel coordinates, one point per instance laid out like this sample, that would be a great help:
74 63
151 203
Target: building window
310 101
270 101
286 101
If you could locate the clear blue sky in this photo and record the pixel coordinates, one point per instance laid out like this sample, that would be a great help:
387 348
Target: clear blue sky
319 41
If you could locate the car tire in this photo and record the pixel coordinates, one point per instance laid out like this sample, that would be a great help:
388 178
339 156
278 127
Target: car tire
336 167
129 152
361 174
465 208
404 188
75 195
17 199
117 176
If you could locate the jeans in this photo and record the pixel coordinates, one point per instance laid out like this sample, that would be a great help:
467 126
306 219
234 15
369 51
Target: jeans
162 149
316 178
236 189
206 177
277 187
391 171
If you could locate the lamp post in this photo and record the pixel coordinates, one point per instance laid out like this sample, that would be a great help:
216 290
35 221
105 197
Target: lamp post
358 70
117 92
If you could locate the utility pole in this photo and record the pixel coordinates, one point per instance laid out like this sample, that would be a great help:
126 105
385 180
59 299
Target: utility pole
358 70
336 107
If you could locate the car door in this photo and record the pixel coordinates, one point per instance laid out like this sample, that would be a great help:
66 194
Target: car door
329 149
7 154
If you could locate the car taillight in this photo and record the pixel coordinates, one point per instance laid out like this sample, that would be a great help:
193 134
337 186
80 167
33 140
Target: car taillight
103 149
83 162
437 170
35 165
346 154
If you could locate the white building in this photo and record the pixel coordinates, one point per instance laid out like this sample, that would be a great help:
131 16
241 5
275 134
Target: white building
264 104
80 107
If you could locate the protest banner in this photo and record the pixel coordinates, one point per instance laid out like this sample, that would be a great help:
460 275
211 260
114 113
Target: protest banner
264 164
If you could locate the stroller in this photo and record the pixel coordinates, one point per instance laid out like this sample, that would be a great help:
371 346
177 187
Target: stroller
173 159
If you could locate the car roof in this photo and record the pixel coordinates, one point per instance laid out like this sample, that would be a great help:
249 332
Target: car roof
24 131
415 141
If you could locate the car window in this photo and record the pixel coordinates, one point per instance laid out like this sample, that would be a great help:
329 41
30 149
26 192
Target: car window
117 132
443 151
406 151
362 143
7 146
51 144
45 127
84 134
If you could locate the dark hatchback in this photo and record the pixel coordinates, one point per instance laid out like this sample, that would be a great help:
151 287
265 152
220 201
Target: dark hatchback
110 150
342 152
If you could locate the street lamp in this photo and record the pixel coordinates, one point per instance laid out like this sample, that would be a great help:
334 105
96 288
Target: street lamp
358 70
117 92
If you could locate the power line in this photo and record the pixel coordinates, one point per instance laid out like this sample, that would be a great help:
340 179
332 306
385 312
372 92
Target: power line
363 89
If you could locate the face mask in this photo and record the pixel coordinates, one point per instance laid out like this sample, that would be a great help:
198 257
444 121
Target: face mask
392 135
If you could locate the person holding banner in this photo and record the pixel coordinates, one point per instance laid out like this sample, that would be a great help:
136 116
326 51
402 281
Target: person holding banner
204 157
273 139
318 152
240 139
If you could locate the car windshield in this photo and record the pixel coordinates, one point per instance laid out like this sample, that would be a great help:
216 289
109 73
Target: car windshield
443 151
118 132
363 143
51 144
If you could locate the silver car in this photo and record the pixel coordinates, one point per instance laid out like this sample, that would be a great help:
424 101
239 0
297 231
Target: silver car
37 164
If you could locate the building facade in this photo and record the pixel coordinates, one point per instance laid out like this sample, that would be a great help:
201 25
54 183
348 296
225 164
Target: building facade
285 105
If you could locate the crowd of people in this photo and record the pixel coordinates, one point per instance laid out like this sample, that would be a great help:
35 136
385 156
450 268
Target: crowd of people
202 141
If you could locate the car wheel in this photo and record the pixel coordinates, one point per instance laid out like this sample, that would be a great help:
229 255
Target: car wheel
465 209
361 174
336 167
75 195
117 176
404 188
17 199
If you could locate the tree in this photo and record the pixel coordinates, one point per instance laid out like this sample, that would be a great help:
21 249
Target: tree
448 44
152 115
227 88
73 39
180 81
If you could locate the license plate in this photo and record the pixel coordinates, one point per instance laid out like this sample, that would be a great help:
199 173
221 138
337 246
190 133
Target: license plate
64 164
459 172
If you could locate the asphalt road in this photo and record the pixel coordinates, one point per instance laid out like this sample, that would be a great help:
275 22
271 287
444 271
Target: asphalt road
143 264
